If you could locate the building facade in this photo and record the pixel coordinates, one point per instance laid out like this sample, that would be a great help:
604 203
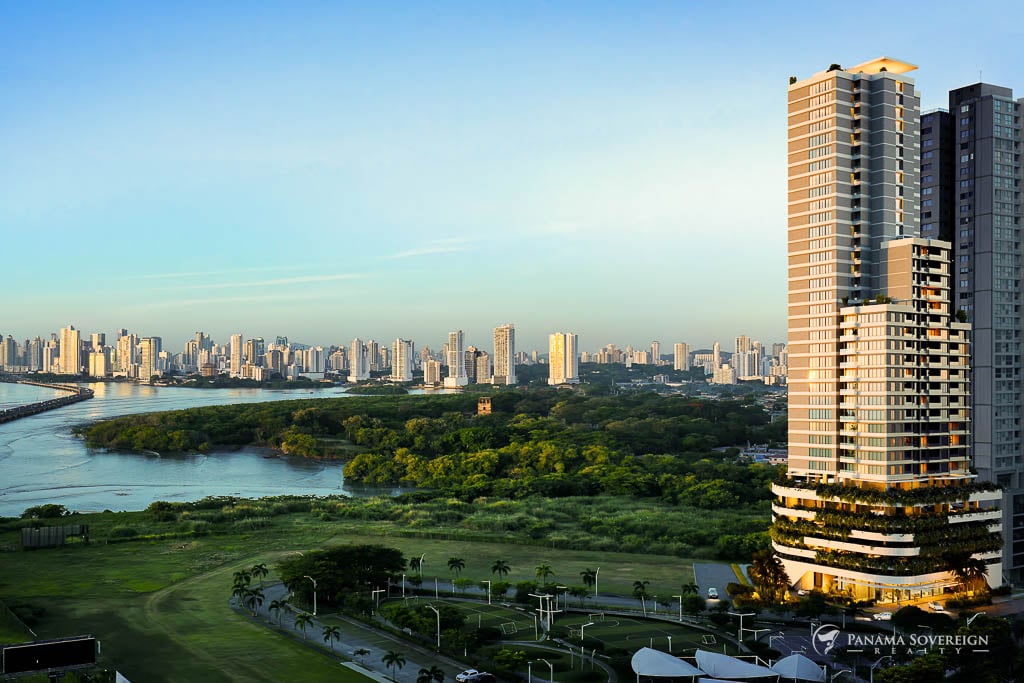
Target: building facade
504 355
880 502
456 357
563 358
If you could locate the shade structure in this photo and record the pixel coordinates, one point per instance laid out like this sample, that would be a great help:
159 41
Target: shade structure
723 666
656 664
800 668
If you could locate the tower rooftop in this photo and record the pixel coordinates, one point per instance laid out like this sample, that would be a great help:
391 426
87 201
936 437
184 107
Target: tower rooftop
880 64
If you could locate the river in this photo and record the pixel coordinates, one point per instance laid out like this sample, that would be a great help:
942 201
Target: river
41 461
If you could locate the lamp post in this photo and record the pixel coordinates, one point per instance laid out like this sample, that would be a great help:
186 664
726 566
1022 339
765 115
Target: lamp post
670 644
739 634
488 590
596 572
871 673
403 585
565 597
550 668
680 599
780 634
589 623
375 596
839 673
314 592
438 613
529 671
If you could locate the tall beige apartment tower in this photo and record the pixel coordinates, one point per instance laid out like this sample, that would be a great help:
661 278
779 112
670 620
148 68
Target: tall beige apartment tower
563 358
504 355
880 502
70 350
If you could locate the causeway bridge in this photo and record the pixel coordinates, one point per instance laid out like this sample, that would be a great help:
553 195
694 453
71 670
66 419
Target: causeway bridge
72 394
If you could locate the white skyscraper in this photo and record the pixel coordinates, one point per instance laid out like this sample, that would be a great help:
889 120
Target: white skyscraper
681 357
70 350
563 358
402 360
236 355
358 367
504 355
456 361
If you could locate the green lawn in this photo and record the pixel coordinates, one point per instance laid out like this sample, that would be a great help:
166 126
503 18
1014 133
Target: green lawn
160 607
617 632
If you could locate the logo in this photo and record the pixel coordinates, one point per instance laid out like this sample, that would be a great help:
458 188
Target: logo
825 638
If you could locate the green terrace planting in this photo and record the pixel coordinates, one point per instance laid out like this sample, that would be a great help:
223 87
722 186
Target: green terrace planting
927 495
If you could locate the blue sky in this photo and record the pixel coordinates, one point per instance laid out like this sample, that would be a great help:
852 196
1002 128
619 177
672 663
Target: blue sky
328 170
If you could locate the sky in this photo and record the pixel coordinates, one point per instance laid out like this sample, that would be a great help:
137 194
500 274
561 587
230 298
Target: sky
327 170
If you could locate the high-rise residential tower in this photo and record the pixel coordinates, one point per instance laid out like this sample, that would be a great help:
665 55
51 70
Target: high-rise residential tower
504 355
563 358
358 364
402 360
456 357
681 356
149 352
237 355
879 415
70 350
970 196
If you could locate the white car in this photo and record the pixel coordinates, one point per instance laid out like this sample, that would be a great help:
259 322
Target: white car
801 592
936 607
713 593
468 673
882 616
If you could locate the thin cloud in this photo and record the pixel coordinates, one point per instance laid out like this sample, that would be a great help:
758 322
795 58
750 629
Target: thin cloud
262 298
278 282
445 246
204 273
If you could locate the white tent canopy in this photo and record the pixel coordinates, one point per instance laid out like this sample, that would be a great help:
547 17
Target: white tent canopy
799 667
654 663
724 666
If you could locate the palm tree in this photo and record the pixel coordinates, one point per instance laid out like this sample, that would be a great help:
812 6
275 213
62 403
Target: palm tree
501 568
253 599
589 577
456 564
434 673
640 589
259 571
416 565
302 621
239 591
768 574
544 571
968 571
395 661
360 653
243 577
690 588
331 634
278 606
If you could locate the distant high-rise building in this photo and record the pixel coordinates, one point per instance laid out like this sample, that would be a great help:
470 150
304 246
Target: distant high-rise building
149 353
563 358
681 356
402 360
456 361
358 368
879 412
97 341
504 354
373 356
70 351
237 355
431 372
99 362
656 352
716 352
9 354
482 371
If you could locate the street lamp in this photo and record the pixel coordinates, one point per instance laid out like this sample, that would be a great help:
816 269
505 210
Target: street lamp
680 599
403 585
739 635
598 571
590 623
488 590
780 634
438 613
565 596
529 671
550 668
840 673
871 673
375 596
314 592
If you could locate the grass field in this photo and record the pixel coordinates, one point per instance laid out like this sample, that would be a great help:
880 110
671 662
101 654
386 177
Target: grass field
616 632
160 607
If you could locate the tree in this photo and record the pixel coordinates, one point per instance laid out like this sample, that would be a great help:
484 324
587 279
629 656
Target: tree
589 577
969 572
544 572
640 589
416 565
278 606
302 622
768 574
690 588
462 583
343 573
331 634
360 653
243 577
253 599
501 568
581 592
456 564
259 571
434 673
394 661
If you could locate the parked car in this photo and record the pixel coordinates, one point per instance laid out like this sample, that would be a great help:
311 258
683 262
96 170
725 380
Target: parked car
882 616
466 675
801 592
713 593
936 607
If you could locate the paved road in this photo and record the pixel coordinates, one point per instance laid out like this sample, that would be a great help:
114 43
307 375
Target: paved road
718 576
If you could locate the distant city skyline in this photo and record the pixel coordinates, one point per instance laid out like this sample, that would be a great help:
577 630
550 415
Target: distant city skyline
337 170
